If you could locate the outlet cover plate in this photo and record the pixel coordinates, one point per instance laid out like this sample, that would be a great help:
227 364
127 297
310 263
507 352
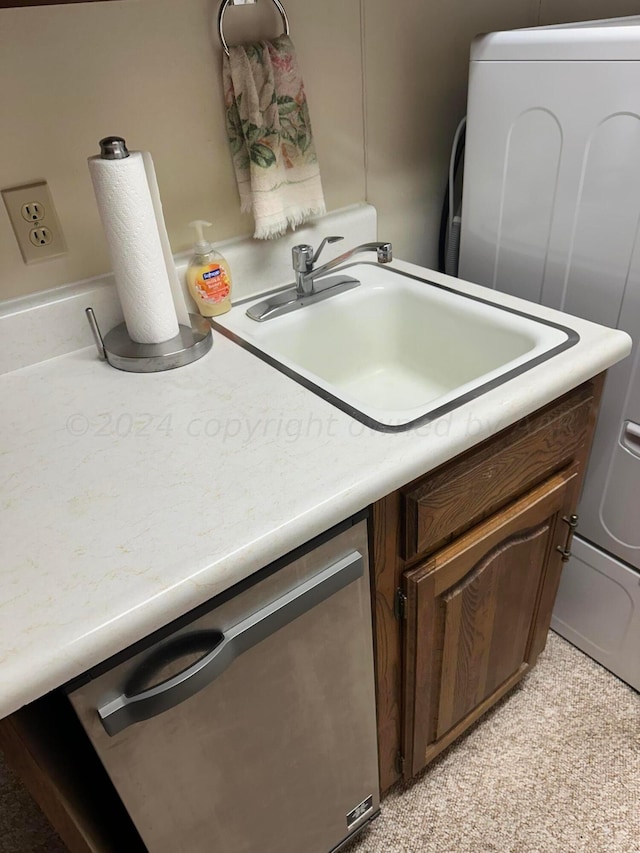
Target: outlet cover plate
16 200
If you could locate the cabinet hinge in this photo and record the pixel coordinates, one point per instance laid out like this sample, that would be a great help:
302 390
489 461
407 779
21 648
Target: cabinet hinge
400 605
400 763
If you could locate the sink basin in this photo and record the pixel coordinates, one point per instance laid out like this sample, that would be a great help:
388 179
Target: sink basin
399 351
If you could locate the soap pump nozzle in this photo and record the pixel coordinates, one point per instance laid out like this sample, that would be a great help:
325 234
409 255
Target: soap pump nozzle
201 246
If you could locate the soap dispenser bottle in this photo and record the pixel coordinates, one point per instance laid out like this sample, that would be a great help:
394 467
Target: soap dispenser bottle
208 275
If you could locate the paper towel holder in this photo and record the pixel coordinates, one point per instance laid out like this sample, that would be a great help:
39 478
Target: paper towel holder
118 350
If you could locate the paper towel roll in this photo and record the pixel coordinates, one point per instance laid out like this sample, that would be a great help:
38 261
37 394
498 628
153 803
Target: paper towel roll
135 247
179 301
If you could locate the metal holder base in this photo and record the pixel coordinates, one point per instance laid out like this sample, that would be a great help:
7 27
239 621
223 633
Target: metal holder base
121 352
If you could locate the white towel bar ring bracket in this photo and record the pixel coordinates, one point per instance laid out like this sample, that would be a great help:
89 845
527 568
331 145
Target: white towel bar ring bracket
223 9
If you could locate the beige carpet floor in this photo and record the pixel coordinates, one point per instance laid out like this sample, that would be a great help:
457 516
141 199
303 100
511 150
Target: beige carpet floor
555 768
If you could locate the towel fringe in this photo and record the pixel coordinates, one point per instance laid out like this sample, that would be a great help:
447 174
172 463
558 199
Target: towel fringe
294 219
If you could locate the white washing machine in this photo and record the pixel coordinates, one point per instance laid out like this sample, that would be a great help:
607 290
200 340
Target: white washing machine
551 213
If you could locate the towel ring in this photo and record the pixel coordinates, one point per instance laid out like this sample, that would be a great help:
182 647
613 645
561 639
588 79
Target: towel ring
223 9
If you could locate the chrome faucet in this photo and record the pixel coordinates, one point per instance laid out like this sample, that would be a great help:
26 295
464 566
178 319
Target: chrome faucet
304 260
307 288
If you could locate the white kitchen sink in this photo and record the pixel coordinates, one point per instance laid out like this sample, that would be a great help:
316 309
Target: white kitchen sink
399 351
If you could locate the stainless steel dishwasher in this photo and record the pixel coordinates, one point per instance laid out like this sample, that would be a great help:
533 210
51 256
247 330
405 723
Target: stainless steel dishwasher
250 728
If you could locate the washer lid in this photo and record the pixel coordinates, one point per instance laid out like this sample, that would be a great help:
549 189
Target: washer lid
611 39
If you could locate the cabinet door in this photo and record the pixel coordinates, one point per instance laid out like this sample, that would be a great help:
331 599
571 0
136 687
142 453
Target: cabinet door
478 613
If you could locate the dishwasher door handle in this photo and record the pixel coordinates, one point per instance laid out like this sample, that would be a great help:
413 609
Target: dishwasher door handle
630 437
121 712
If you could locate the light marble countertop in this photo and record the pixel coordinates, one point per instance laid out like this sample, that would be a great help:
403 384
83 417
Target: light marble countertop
129 499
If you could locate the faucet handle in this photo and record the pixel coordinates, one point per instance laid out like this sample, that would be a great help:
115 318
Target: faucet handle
322 245
303 257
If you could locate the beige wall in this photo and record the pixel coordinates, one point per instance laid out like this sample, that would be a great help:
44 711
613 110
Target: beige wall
564 11
416 58
149 70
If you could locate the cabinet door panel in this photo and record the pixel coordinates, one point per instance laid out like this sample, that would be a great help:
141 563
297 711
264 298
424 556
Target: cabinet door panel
487 622
473 616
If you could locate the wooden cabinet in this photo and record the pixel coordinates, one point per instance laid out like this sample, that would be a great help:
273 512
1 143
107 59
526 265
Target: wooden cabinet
477 614
467 562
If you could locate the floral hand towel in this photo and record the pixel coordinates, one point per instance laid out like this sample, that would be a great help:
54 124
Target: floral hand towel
270 136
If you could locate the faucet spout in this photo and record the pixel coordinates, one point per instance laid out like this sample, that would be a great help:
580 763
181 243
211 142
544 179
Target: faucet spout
384 254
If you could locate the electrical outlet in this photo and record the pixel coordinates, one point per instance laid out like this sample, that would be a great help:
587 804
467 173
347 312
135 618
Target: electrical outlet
35 223
40 236
32 211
